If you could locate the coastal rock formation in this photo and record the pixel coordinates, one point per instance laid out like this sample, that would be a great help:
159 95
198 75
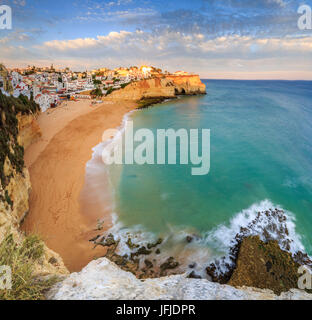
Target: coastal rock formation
103 280
263 255
160 87
17 188
270 225
18 129
264 265
188 84
149 88
28 130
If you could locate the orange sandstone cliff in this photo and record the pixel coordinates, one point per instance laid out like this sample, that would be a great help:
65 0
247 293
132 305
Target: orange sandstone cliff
161 87
188 84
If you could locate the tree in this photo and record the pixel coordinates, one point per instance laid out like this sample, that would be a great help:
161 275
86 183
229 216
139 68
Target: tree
95 82
96 92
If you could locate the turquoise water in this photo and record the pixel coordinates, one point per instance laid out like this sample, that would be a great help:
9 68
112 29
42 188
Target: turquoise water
261 149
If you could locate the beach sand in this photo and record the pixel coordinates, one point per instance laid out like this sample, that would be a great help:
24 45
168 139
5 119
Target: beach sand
56 164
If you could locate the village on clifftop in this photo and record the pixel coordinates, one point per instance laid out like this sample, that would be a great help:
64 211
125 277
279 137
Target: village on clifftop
49 86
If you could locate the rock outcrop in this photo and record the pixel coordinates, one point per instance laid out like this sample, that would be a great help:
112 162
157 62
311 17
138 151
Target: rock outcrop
188 84
160 87
103 280
264 265
275 232
28 130
263 255
149 88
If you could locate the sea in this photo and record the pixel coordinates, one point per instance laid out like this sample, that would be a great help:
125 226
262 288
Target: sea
260 159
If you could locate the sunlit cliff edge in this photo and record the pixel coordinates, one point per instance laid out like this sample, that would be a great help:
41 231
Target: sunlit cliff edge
168 86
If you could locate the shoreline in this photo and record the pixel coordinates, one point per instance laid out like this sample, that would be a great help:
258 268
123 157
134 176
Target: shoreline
57 166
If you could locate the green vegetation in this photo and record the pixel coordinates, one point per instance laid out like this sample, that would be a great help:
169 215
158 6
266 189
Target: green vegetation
21 258
124 85
147 102
265 266
96 82
110 90
96 92
9 147
8 199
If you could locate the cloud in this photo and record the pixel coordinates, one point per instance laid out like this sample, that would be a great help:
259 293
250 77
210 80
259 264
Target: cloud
169 43
226 56
208 37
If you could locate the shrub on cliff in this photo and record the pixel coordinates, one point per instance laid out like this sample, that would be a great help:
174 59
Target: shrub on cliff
110 90
96 92
21 259
123 85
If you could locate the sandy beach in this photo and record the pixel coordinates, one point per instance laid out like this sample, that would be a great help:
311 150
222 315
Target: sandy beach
56 164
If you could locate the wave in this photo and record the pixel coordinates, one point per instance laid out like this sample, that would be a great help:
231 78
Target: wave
223 236
98 193
265 219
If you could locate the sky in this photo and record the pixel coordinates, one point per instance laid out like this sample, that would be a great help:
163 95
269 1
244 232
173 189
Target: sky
219 39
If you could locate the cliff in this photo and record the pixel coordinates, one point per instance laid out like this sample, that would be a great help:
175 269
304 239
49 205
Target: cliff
160 87
190 84
103 280
28 130
19 129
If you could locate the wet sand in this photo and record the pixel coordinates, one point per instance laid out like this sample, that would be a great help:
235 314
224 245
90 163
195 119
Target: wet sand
57 164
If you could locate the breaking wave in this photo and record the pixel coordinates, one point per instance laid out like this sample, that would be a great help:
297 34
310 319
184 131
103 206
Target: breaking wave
196 251
264 219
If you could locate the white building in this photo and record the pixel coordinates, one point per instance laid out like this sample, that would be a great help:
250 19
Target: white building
46 100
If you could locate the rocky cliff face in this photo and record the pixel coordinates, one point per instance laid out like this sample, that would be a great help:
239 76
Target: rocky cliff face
165 87
18 129
103 280
189 85
264 265
28 130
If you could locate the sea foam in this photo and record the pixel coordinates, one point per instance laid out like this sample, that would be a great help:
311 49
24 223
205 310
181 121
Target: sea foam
265 219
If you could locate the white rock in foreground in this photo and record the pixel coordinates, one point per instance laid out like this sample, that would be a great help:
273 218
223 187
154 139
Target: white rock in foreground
103 280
